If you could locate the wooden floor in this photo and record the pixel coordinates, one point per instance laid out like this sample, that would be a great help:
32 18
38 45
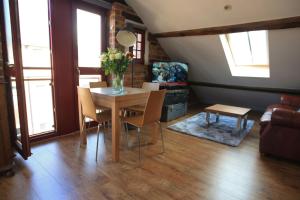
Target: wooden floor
190 168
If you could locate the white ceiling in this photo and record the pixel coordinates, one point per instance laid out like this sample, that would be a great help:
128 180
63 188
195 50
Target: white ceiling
172 15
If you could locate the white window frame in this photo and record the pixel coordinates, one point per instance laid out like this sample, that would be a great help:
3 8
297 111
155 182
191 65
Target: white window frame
258 71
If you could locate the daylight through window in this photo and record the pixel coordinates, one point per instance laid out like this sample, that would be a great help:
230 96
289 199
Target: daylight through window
247 53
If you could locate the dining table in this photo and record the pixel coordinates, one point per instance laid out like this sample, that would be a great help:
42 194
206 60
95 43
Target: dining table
106 97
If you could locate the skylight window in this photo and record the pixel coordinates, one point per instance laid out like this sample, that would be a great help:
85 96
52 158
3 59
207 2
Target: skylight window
247 53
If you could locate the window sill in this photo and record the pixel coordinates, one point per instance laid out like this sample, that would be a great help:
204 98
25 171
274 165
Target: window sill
250 71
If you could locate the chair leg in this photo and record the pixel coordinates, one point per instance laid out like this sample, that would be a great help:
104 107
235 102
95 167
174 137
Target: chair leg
103 126
98 133
126 133
162 137
139 140
83 121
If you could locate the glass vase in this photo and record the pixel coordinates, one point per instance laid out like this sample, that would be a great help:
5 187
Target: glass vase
117 83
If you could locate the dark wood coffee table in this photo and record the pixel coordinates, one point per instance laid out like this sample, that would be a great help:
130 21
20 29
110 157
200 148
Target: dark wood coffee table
239 112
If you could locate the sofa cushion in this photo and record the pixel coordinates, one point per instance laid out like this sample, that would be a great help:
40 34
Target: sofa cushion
271 107
287 118
266 116
290 100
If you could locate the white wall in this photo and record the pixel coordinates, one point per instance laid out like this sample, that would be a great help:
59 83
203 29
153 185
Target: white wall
208 63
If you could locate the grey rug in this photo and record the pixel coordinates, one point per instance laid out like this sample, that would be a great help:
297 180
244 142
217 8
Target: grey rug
224 131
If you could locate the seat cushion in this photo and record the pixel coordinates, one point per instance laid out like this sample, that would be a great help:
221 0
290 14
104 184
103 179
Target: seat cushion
266 116
271 107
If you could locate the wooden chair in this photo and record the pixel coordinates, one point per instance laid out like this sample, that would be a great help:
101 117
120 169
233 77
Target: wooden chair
98 84
141 108
88 109
151 115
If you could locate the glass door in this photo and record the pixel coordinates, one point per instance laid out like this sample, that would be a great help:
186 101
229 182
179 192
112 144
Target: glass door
14 74
29 70
36 62
89 42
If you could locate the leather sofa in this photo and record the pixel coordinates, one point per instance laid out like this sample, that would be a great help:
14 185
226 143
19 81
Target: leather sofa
280 129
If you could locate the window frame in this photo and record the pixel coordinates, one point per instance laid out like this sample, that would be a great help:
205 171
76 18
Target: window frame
104 42
142 50
250 70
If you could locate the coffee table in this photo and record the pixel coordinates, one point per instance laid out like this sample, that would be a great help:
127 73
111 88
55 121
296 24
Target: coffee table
239 112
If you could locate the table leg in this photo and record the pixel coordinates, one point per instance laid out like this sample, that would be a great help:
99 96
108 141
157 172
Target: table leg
115 132
238 124
217 117
207 118
245 121
83 139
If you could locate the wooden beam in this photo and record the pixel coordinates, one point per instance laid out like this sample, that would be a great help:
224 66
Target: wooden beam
248 88
132 17
291 22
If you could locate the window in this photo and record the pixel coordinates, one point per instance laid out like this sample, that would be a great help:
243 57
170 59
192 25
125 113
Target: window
89 38
138 49
247 53
37 69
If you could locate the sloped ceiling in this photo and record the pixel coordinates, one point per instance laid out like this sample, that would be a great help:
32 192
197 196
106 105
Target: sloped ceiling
205 54
172 15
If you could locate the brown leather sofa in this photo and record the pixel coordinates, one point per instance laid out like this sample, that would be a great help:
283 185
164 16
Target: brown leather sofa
280 129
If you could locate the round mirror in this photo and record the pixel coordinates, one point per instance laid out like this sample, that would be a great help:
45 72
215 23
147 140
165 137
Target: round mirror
126 38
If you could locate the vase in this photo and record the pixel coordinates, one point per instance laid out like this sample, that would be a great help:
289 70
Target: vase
117 83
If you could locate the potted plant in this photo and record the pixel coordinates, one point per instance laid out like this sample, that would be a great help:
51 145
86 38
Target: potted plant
115 62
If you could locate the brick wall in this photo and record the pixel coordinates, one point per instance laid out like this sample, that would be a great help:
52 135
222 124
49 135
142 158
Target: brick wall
156 52
117 22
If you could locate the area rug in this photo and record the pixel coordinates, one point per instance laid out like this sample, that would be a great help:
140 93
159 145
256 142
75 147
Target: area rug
224 131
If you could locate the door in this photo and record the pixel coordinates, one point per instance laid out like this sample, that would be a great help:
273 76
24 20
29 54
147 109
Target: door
28 58
36 65
89 40
14 74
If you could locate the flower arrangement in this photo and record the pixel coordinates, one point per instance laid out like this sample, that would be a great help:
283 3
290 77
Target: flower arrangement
115 62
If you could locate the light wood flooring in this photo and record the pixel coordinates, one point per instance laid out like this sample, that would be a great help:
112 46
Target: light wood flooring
191 168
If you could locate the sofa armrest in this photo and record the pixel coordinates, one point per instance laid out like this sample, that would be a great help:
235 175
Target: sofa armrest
290 100
288 118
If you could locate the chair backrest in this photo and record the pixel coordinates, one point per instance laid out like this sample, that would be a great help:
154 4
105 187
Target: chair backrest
150 86
86 101
98 84
154 105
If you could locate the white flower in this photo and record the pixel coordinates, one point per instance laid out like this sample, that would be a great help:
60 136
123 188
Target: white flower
112 56
118 56
103 57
